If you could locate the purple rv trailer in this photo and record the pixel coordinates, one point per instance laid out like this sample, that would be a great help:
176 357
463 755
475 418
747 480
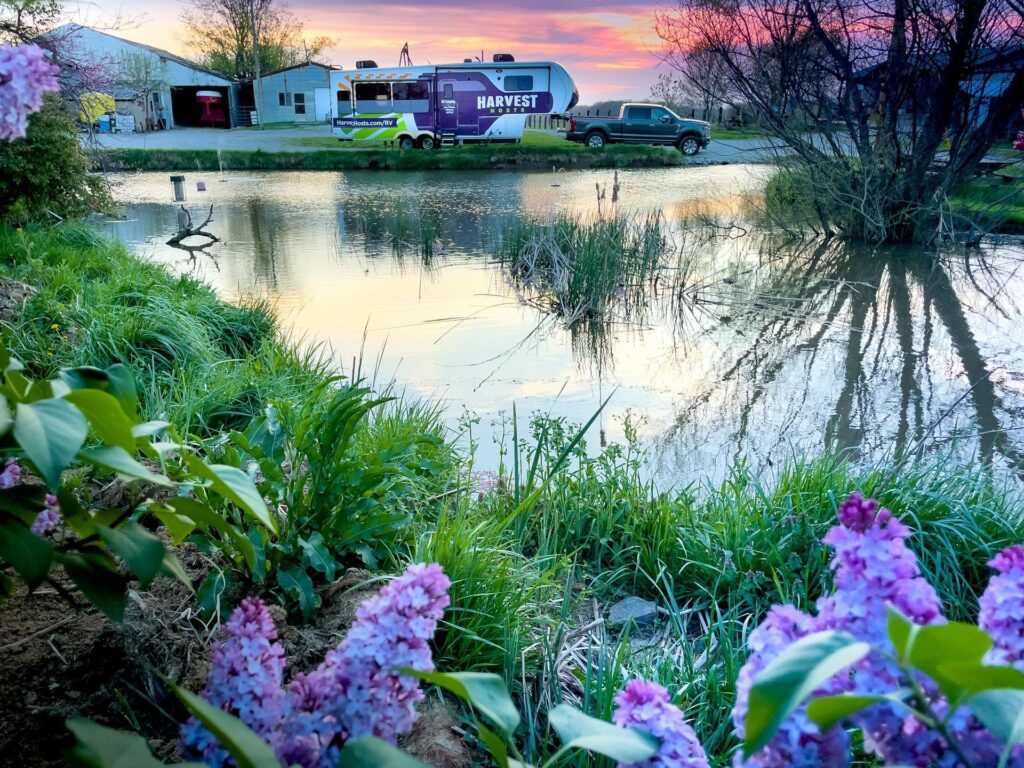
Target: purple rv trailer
448 104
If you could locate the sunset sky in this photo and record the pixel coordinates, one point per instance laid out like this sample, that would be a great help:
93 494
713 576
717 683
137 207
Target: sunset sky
610 47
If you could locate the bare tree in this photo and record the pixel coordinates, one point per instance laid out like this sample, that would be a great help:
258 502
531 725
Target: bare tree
866 92
702 84
143 73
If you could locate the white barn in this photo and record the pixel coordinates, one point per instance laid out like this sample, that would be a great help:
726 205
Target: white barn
142 73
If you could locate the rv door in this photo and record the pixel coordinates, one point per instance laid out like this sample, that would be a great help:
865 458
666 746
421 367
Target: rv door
447 107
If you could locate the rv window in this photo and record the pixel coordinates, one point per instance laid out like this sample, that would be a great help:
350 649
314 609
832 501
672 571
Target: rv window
638 113
300 103
284 99
344 102
373 97
449 91
519 83
411 96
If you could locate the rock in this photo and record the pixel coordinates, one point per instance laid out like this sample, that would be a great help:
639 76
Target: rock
13 295
633 610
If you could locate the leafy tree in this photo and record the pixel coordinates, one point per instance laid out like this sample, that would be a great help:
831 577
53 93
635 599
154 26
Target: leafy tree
220 34
47 171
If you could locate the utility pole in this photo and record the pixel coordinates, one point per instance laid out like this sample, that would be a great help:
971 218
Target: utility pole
257 78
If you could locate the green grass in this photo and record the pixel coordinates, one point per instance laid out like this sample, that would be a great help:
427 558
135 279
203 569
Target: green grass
486 157
995 204
733 133
579 267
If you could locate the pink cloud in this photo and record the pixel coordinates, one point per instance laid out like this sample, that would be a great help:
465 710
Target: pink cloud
610 47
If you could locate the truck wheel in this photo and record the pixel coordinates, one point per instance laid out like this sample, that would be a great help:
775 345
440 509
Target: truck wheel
406 142
595 140
427 142
689 145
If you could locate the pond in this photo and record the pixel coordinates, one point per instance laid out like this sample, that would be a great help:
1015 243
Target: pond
759 348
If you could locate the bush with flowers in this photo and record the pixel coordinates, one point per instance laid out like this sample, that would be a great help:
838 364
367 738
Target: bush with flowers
877 656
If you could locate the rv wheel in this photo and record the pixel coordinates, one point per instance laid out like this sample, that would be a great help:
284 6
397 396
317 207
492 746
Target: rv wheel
427 142
406 143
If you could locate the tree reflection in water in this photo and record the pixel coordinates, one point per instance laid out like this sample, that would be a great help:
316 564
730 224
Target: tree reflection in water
893 326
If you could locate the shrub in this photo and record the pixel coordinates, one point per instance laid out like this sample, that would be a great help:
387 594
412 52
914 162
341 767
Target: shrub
47 171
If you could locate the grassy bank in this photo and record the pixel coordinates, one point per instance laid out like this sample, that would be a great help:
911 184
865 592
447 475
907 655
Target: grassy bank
494 157
557 537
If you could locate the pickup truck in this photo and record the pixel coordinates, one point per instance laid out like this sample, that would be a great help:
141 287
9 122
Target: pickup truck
641 124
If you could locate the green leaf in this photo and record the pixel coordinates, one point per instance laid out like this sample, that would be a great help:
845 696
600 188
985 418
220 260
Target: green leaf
149 429
116 380
142 552
117 459
1002 712
178 526
371 752
494 743
296 582
932 647
236 486
50 432
319 557
976 678
104 413
829 711
204 517
580 731
793 676
248 749
29 555
6 420
486 692
99 747
100 581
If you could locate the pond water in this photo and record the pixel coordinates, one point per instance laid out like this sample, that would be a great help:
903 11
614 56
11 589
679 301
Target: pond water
760 347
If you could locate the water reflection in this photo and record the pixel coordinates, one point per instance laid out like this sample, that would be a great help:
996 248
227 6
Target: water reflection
746 345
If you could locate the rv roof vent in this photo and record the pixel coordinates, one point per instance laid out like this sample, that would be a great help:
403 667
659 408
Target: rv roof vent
504 57
366 64
467 61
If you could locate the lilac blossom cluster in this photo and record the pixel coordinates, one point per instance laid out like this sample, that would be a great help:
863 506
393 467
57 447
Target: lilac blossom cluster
646 706
874 568
49 518
246 670
25 75
10 475
1002 609
356 691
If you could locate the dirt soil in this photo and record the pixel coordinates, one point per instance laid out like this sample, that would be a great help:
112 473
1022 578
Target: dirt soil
57 662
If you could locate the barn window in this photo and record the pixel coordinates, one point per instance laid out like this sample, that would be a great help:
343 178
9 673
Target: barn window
519 83
300 103
284 99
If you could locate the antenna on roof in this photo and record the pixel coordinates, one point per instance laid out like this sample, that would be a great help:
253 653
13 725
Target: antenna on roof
404 59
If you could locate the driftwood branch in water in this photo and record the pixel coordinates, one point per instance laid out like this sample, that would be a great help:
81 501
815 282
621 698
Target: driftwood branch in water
189 231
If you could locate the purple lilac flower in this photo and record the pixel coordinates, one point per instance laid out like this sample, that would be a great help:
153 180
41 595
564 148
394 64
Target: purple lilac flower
25 75
1002 608
356 691
645 705
49 518
245 680
10 475
798 742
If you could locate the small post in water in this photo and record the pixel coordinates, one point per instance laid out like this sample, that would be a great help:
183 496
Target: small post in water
178 186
